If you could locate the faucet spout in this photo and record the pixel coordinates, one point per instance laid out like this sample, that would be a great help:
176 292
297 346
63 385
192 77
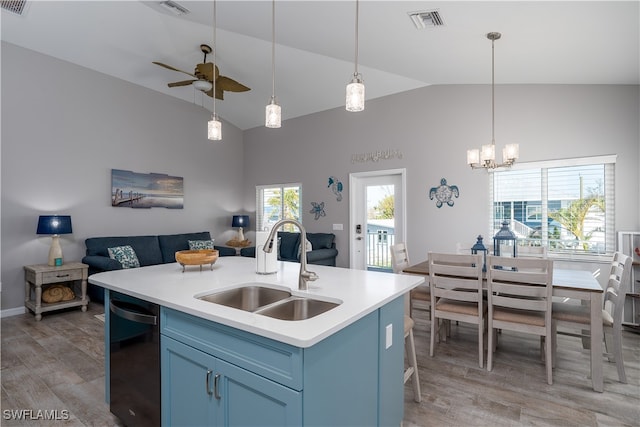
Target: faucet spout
305 275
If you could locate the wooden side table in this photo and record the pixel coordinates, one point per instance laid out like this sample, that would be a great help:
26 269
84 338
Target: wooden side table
43 274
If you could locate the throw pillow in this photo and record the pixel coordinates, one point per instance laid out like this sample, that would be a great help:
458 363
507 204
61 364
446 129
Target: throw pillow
309 248
125 255
200 244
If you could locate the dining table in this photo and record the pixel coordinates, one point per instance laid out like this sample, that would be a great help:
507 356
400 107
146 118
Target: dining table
567 283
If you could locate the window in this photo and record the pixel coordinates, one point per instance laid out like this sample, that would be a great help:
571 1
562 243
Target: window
276 202
566 205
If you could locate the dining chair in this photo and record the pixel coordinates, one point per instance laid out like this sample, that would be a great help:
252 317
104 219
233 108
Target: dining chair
578 316
400 261
419 297
519 292
456 294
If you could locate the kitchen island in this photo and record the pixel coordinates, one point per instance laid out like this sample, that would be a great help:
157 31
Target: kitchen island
342 367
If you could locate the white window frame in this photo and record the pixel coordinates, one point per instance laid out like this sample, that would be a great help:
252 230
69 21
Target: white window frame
260 202
609 192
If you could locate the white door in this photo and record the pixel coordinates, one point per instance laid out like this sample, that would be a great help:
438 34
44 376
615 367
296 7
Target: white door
376 217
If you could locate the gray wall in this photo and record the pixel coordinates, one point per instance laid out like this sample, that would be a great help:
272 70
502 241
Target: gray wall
62 135
433 127
65 127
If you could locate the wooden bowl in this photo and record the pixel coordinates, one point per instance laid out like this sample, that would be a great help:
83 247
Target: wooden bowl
197 257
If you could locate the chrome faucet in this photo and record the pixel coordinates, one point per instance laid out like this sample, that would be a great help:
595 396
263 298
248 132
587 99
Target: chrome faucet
305 276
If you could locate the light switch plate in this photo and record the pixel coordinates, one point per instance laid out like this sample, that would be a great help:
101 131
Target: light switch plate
388 336
337 227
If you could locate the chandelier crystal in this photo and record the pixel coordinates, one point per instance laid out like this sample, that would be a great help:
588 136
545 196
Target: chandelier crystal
485 158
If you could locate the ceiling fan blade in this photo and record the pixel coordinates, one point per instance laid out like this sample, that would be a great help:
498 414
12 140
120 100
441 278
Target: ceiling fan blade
225 83
182 83
169 67
207 70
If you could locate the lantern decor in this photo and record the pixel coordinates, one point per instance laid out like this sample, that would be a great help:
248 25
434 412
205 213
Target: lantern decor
479 247
504 242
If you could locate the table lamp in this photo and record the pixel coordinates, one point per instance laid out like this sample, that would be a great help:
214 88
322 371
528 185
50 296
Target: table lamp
240 221
54 225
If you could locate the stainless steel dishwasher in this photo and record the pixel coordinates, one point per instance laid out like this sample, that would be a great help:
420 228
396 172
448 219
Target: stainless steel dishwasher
134 355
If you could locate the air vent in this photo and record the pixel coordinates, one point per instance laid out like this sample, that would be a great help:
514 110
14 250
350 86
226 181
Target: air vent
174 7
425 19
16 7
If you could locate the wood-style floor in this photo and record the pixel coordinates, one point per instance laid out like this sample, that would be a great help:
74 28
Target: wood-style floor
57 364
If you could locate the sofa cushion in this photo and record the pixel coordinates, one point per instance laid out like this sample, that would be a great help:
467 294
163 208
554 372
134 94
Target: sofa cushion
308 245
172 243
146 247
200 244
289 245
321 240
125 255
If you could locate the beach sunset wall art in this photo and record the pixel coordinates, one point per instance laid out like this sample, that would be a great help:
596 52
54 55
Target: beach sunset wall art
146 190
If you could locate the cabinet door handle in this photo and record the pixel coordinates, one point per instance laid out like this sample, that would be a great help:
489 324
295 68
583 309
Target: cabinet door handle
216 386
62 275
208 380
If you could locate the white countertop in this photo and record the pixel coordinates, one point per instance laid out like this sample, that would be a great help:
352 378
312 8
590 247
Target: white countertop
361 292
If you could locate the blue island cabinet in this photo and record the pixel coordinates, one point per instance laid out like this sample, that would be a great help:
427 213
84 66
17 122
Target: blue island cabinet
213 374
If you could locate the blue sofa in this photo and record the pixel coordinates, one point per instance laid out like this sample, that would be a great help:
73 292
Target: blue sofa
150 250
323 245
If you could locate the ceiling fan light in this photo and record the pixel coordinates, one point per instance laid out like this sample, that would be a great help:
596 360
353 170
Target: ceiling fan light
355 94
273 115
214 132
202 85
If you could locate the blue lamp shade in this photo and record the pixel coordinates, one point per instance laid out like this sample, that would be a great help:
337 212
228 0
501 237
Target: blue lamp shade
54 224
240 221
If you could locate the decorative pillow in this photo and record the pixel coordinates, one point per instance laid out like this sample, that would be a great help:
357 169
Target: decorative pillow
125 255
309 248
200 244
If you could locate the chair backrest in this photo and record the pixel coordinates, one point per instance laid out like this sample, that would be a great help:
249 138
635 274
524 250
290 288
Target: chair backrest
532 251
399 257
617 287
520 283
453 276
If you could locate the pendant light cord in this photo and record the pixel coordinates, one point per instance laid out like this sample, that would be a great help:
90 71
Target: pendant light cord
356 55
273 49
493 102
215 50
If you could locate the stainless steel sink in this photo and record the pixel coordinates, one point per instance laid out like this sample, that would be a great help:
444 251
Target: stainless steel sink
296 308
275 303
247 298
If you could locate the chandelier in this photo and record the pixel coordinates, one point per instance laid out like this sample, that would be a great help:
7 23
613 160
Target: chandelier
485 158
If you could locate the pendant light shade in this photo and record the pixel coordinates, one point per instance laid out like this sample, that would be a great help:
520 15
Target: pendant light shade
214 128
273 112
485 158
355 94
214 131
355 89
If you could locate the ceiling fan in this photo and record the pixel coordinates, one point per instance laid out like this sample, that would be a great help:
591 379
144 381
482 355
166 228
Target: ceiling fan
204 76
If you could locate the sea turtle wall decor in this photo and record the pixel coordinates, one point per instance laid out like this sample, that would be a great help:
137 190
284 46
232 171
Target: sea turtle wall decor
444 193
336 187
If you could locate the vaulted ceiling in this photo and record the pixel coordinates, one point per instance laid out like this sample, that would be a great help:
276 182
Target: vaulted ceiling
543 42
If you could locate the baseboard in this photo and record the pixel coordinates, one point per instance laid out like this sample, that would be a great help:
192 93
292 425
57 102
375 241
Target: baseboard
11 312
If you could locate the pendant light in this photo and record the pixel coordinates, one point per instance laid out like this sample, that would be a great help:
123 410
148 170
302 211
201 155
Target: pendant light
214 130
355 89
485 158
273 112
